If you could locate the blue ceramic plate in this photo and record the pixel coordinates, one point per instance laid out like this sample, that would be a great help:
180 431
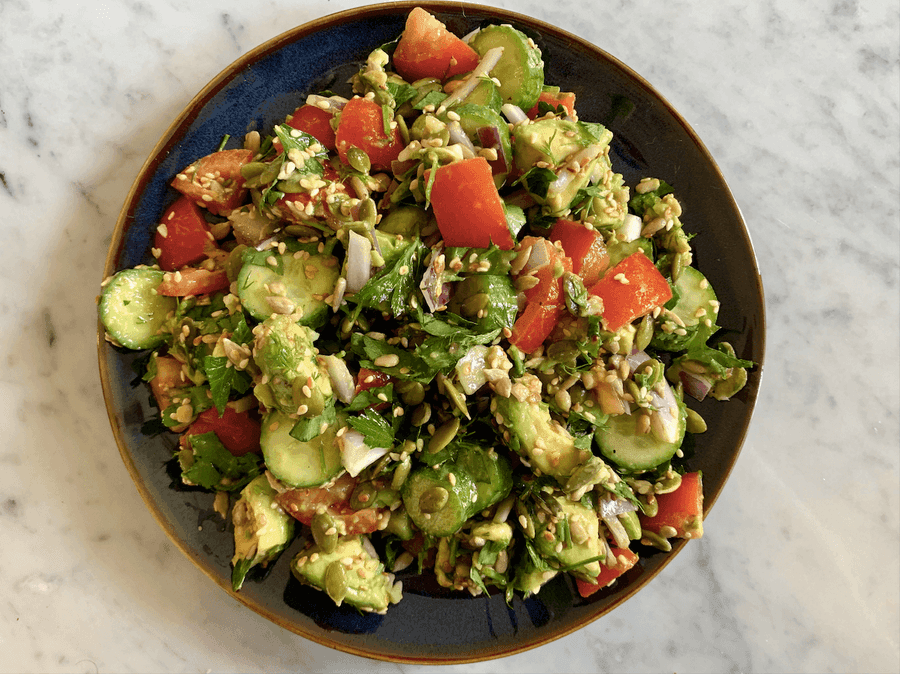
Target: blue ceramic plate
430 624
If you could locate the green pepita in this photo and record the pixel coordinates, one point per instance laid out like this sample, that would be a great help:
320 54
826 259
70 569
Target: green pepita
324 531
443 436
401 472
411 392
363 496
359 160
336 581
421 415
694 422
655 540
434 499
455 396
644 334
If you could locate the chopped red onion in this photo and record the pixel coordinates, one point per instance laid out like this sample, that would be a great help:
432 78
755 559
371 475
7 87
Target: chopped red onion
356 455
513 113
489 137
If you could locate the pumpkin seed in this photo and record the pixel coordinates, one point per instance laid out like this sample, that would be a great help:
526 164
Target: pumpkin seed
359 160
667 484
631 523
411 392
475 303
694 422
401 472
725 389
454 395
421 415
324 531
434 499
402 128
336 582
677 266
644 333
655 540
443 436
368 213
363 496
234 262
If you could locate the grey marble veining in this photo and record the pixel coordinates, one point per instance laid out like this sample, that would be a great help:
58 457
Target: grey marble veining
799 570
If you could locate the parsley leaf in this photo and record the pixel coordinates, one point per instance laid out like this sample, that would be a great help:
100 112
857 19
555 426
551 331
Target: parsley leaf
431 98
394 285
375 428
223 377
369 397
537 181
307 429
210 463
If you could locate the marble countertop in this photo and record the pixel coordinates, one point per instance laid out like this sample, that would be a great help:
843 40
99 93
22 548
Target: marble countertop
798 572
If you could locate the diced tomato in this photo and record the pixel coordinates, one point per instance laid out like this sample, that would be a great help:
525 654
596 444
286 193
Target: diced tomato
303 504
467 206
681 509
367 379
314 121
630 290
193 282
215 181
554 99
168 379
238 431
183 236
585 246
427 49
545 303
362 126
607 575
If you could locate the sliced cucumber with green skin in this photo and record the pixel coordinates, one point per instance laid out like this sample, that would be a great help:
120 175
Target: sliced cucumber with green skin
303 283
485 93
295 463
695 293
131 311
520 69
619 250
436 502
635 452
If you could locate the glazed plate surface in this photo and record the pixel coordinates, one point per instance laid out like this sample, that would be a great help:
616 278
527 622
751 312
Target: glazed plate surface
650 139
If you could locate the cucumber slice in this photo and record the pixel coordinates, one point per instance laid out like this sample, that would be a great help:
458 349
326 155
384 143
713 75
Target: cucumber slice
131 311
695 293
620 442
486 94
520 69
299 464
306 282
438 504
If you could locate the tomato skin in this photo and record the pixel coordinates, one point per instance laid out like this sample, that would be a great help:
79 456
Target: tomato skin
545 304
237 431
623 302
224 190
607 575
193 282
362 125
302 504
427 49
681 509
187 237
585 246
316 122
467 206
555 99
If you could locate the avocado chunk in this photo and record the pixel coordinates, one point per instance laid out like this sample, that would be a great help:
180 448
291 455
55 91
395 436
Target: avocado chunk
293 381
349 573
261 529
295 463
572 539
550 140
548 446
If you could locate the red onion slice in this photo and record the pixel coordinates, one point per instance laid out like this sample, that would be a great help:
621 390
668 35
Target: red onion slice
489 137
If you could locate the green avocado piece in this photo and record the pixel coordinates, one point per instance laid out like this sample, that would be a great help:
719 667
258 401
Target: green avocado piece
546 445
580 546
347 574
262 529
292 376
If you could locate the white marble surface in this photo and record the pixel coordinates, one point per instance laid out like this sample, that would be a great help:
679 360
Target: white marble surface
799 569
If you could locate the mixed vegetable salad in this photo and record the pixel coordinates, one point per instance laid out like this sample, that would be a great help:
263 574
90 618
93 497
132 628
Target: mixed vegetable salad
430 327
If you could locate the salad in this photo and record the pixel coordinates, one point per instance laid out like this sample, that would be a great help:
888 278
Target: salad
427 327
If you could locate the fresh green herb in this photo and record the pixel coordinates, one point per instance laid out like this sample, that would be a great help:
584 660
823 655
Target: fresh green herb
307 429
211 466
375 428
